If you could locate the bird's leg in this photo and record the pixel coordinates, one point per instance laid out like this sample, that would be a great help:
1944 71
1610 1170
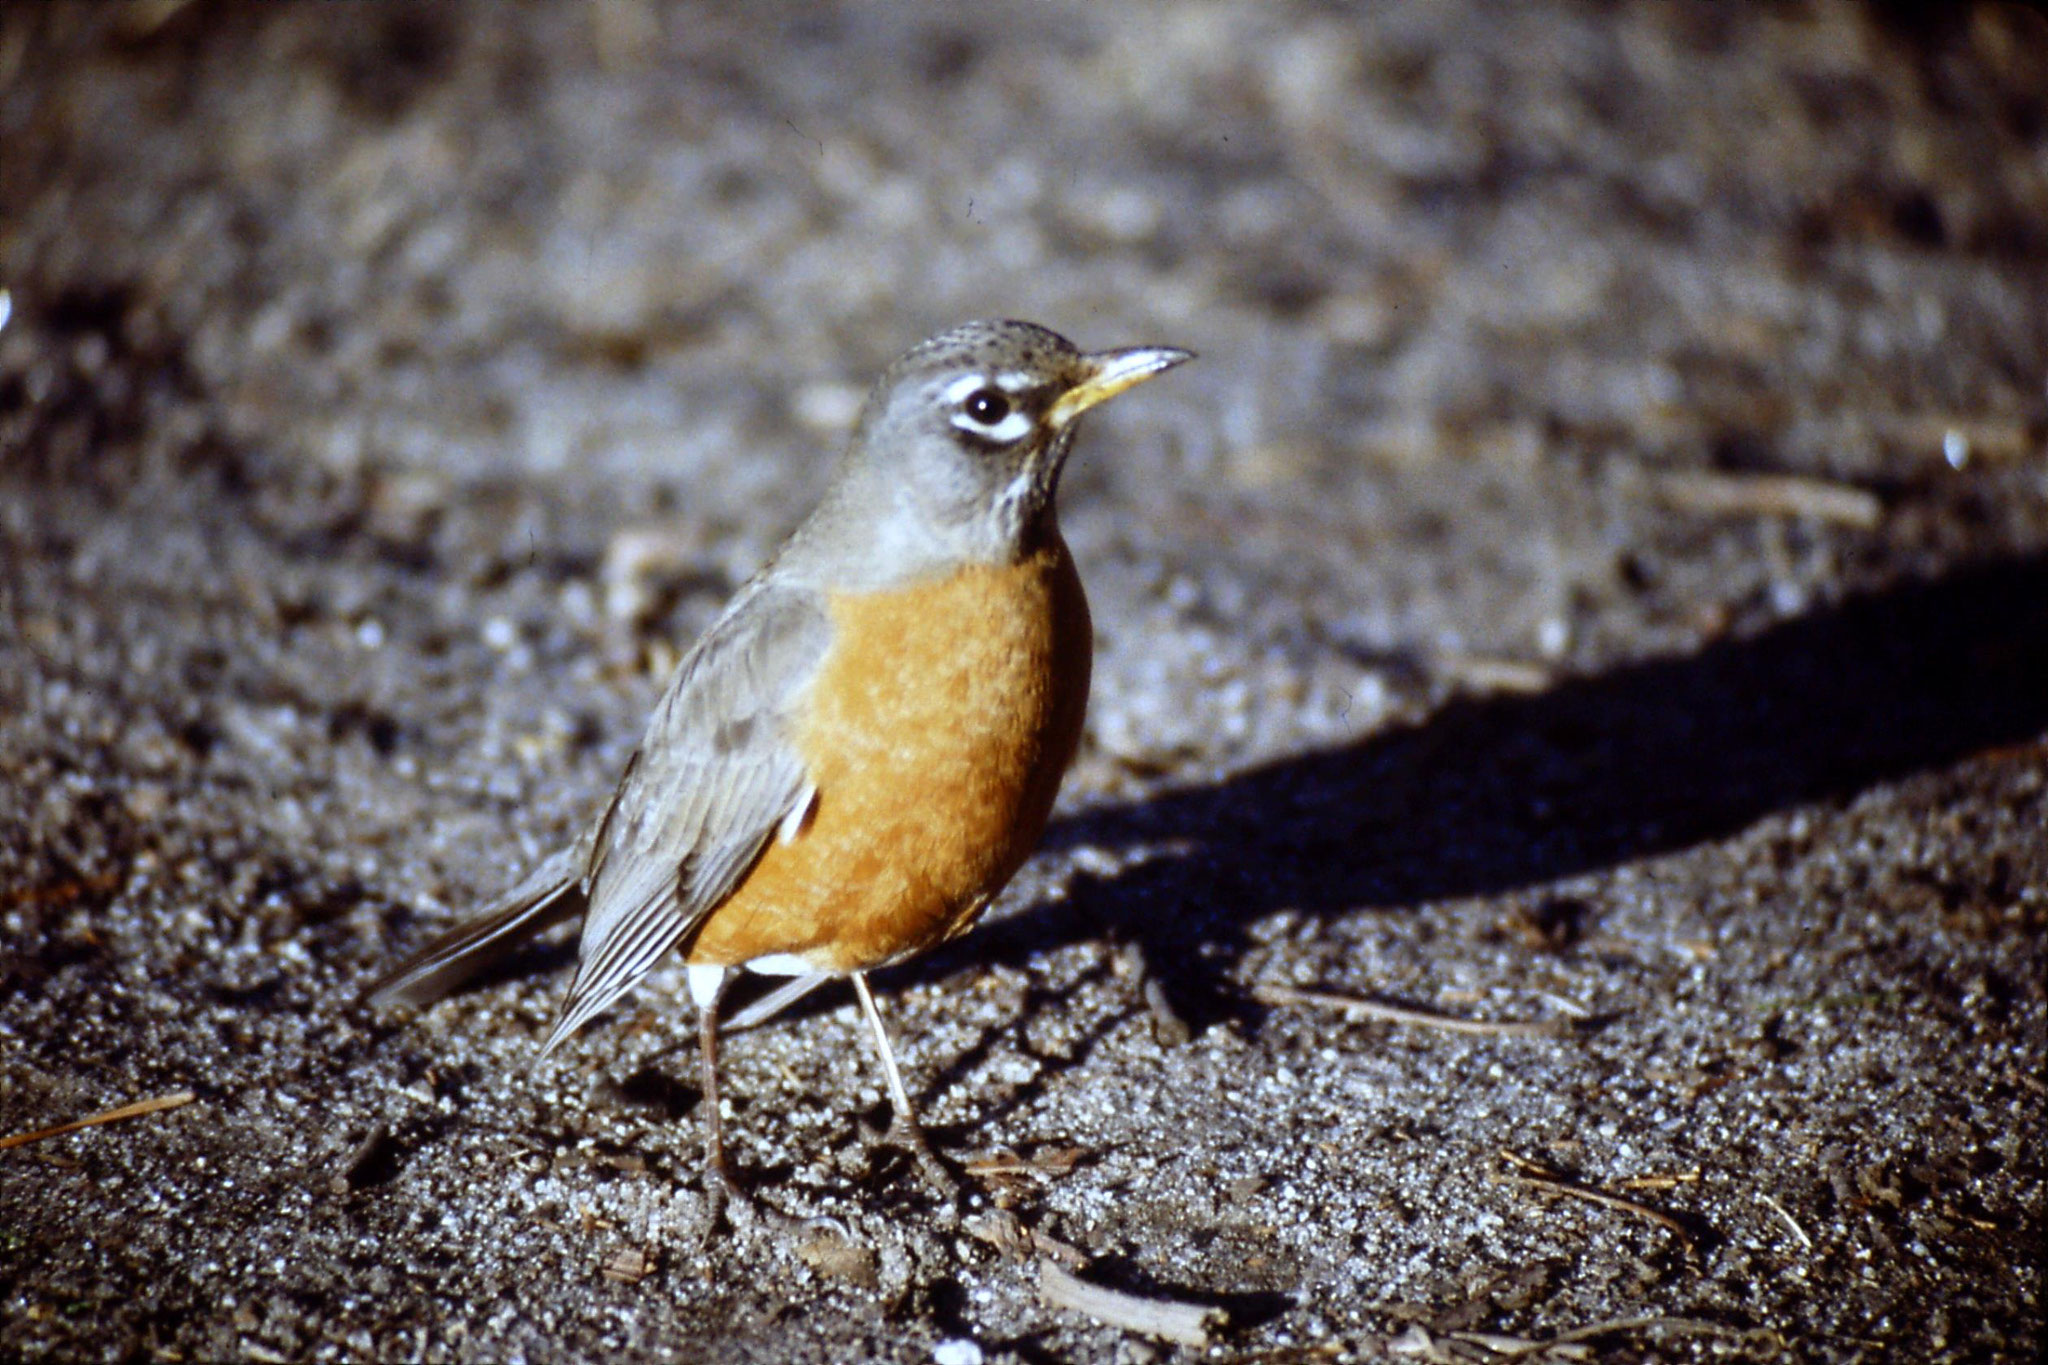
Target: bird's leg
721 1186
904 1131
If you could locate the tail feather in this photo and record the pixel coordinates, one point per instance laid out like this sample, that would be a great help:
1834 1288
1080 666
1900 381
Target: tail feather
551 893
775 1002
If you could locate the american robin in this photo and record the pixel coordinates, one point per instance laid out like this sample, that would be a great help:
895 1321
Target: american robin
858 754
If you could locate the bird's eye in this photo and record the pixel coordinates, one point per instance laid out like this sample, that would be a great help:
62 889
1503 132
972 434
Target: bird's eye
987 406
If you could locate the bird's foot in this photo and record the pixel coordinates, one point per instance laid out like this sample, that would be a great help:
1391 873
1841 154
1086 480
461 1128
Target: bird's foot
733 1207
907 1135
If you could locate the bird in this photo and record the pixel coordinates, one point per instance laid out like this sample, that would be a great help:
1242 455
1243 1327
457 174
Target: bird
859 752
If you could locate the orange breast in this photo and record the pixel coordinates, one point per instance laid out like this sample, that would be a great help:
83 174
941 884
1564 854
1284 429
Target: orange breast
938 729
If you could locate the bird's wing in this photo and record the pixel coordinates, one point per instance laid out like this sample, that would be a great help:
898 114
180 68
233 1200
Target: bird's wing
716 773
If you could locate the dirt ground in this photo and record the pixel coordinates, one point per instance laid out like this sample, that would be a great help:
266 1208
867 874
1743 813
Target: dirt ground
1595 577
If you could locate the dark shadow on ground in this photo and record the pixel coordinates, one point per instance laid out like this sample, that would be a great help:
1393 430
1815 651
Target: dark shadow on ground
1501 793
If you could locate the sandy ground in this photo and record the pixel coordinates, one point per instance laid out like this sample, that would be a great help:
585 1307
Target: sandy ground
1596 576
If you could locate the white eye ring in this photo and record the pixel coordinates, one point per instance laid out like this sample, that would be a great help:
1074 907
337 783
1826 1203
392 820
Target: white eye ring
1001 420
955 393
1013 428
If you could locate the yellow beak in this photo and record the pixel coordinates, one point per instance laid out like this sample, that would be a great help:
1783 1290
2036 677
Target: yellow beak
1110 373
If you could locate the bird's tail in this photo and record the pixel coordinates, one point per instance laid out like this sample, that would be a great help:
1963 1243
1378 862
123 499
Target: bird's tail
551 893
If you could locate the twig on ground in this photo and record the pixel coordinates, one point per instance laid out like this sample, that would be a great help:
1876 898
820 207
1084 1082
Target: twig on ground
1696 1325
1002 1161
1187 1323
1657 1182
1789 1221
1515 1347
1536 1176
1497 675
1267 994
1769 495
1568 1344
126 1111
1064 1254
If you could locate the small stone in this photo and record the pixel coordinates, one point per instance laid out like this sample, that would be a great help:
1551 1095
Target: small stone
836 1258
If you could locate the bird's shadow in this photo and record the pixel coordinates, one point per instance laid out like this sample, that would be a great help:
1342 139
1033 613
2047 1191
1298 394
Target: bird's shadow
1503 793
1500 793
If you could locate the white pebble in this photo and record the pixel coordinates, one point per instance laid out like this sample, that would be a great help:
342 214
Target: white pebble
1955 448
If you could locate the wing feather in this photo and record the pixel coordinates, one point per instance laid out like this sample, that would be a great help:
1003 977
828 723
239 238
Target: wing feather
716 775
